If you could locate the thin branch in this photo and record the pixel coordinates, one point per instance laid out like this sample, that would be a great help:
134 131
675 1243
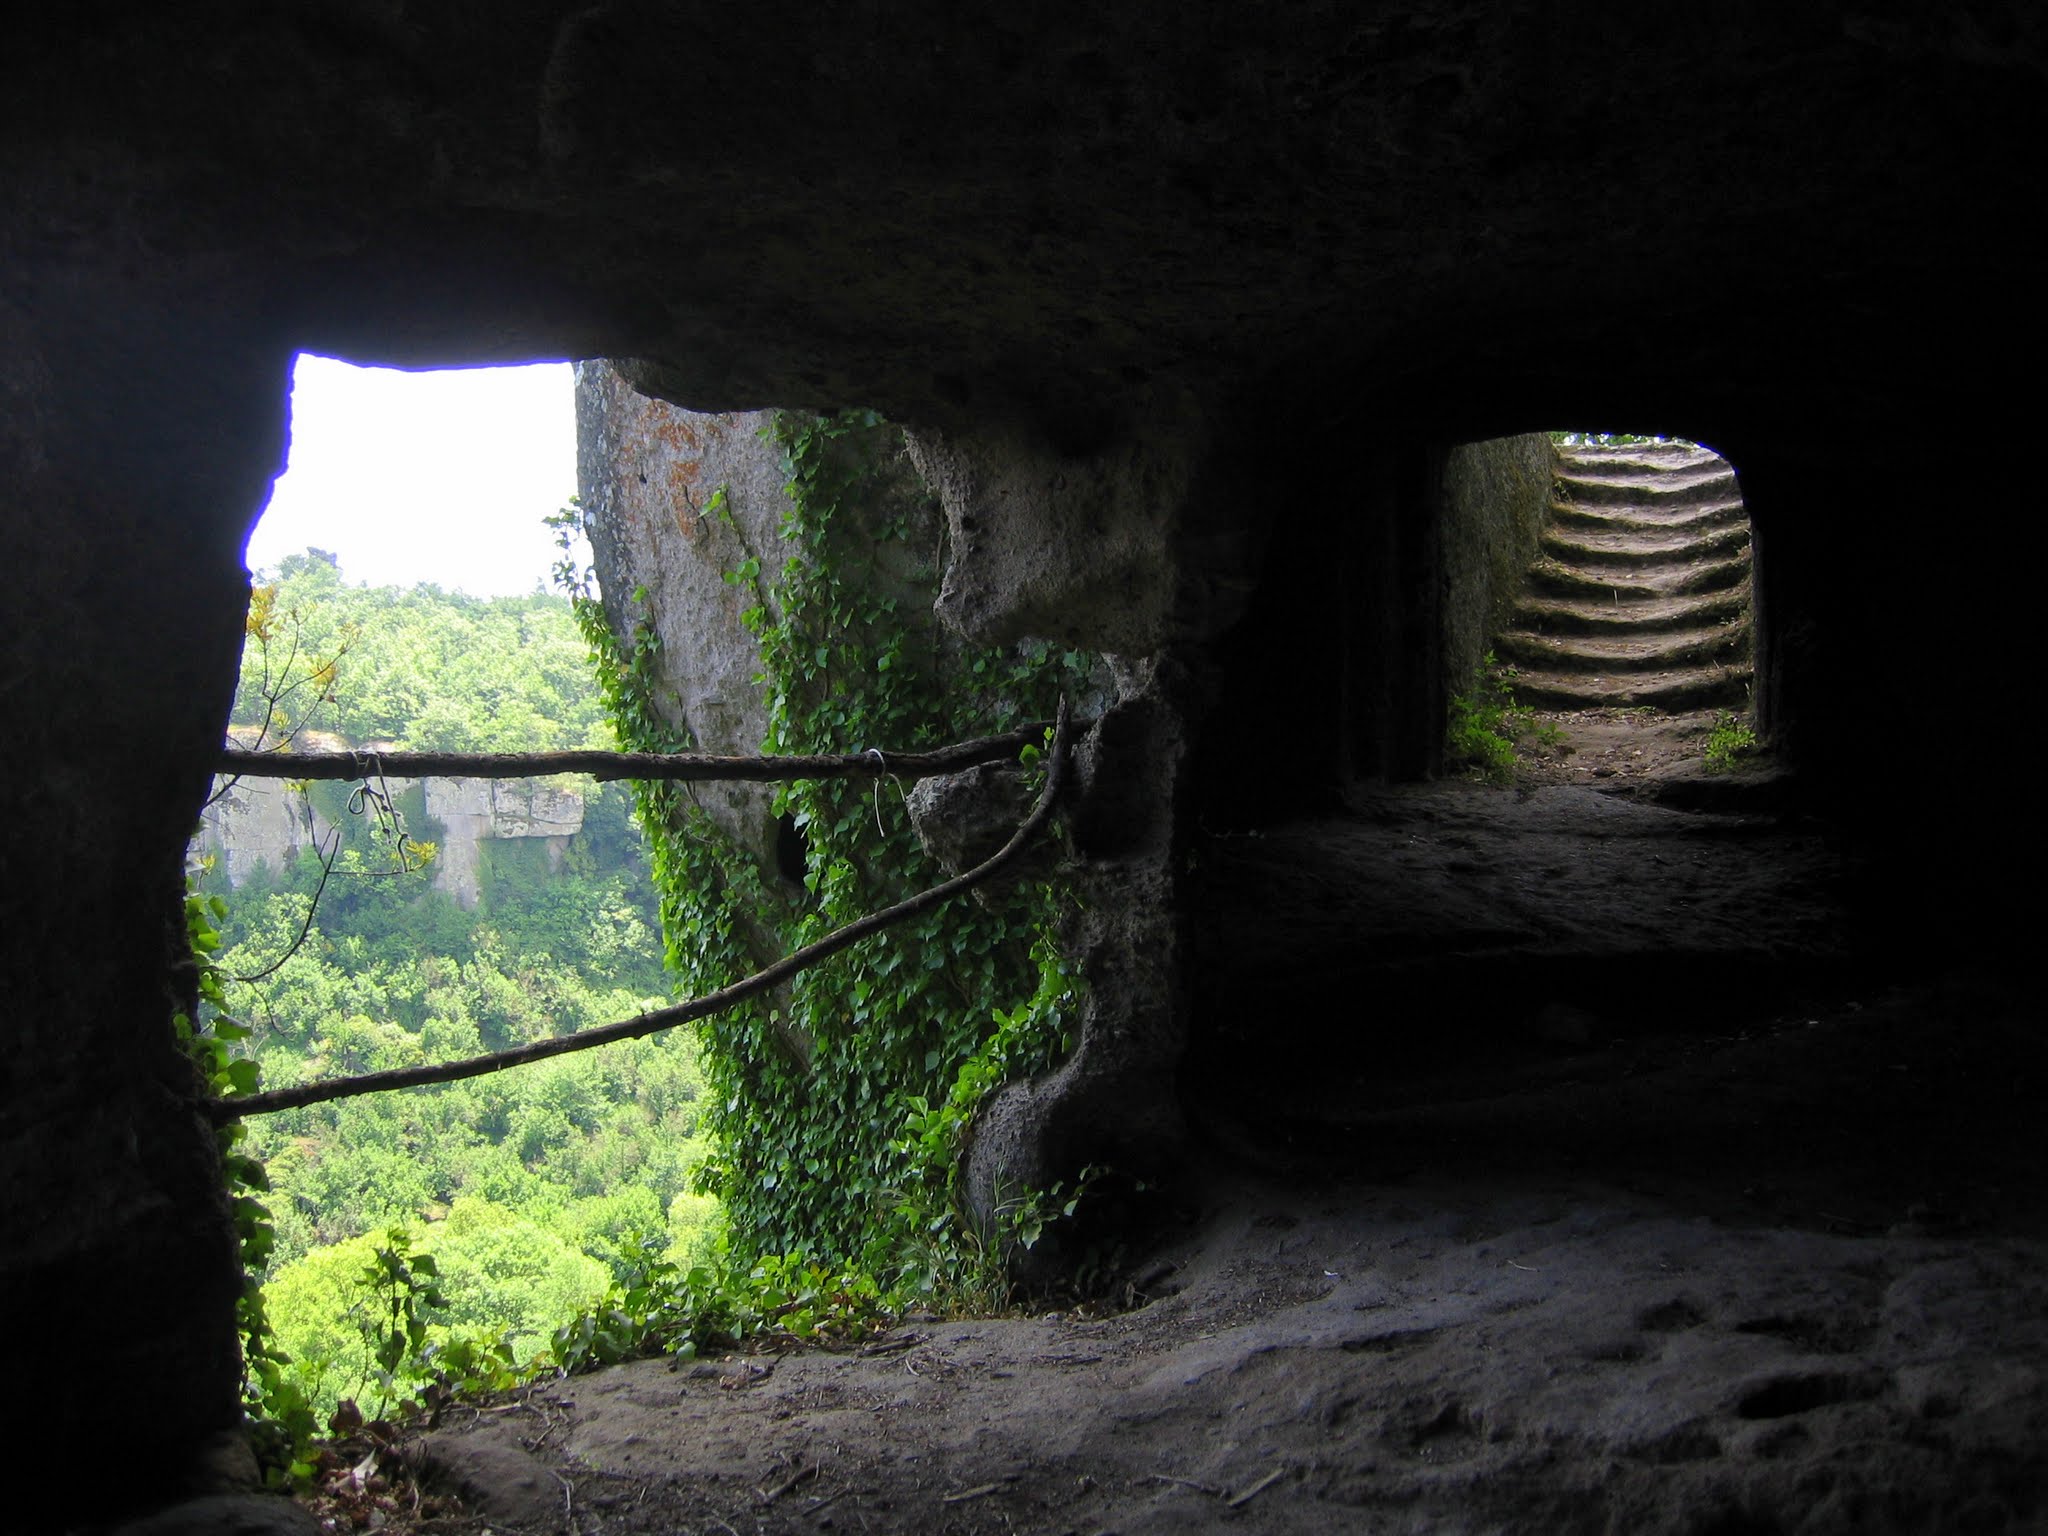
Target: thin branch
312 906
625 765
703 1007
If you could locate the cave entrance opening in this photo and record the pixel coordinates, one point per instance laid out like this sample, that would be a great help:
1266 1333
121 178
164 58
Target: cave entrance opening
400 580
402 602
1408 938
1626 642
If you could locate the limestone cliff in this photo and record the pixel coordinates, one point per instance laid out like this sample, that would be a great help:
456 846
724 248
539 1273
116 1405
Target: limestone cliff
472 812
254 823
265 822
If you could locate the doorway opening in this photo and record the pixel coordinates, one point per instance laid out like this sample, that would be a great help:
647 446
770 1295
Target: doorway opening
1603 883
1632 639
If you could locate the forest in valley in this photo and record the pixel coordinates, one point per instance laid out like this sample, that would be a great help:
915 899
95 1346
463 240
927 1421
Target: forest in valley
533 1190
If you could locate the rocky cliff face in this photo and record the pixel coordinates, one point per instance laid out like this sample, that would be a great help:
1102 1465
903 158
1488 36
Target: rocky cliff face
673 500
475 811
259 822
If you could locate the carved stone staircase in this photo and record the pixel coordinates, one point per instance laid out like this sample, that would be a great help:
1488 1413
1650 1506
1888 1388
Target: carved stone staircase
1641 596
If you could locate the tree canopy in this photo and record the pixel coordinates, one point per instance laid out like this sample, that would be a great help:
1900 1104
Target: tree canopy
528 1188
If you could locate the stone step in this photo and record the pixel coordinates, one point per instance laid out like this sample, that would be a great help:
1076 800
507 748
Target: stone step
1677 689
1714 646
1670 453
1554 578
1720 512
1588 616
1704 483
1641 596
1629 466
1605 549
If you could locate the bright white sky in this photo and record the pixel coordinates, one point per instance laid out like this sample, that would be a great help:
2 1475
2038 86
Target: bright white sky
412 477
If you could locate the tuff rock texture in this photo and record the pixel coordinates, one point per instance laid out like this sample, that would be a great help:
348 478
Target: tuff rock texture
963 818
1203 294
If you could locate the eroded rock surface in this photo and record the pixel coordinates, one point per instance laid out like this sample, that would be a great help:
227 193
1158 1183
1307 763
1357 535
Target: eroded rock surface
675 502
474 811
1510 1324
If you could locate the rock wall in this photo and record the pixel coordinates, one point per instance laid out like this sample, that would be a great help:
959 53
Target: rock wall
672 501
1496 501
648 474
1080 542
257 824
118 1261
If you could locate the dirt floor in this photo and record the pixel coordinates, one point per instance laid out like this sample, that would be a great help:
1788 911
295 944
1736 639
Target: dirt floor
1563 1164
1544 1354
1604 747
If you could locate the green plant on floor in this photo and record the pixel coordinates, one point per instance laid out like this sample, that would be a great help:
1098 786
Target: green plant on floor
663 1307
401 1288
398 1291
1730 742
1486 723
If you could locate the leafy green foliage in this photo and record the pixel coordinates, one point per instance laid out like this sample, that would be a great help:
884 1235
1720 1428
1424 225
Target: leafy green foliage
1731 742
419 669
685 1308
1486 722
401 1286
505 1274
519 1188
274 1398
386 1313
837 1112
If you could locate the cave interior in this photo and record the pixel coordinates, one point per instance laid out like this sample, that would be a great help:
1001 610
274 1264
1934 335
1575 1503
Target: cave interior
1202 305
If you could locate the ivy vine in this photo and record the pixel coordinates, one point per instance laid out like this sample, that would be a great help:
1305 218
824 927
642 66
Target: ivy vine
839 1111
280 1415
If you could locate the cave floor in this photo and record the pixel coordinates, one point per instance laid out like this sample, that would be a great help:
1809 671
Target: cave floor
1563 1162
1429 944
1634 1298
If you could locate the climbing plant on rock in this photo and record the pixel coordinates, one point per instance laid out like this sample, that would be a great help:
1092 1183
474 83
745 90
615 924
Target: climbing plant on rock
840 1105
281 1418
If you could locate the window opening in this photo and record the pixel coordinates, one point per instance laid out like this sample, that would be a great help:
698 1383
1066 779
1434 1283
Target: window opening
401 602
